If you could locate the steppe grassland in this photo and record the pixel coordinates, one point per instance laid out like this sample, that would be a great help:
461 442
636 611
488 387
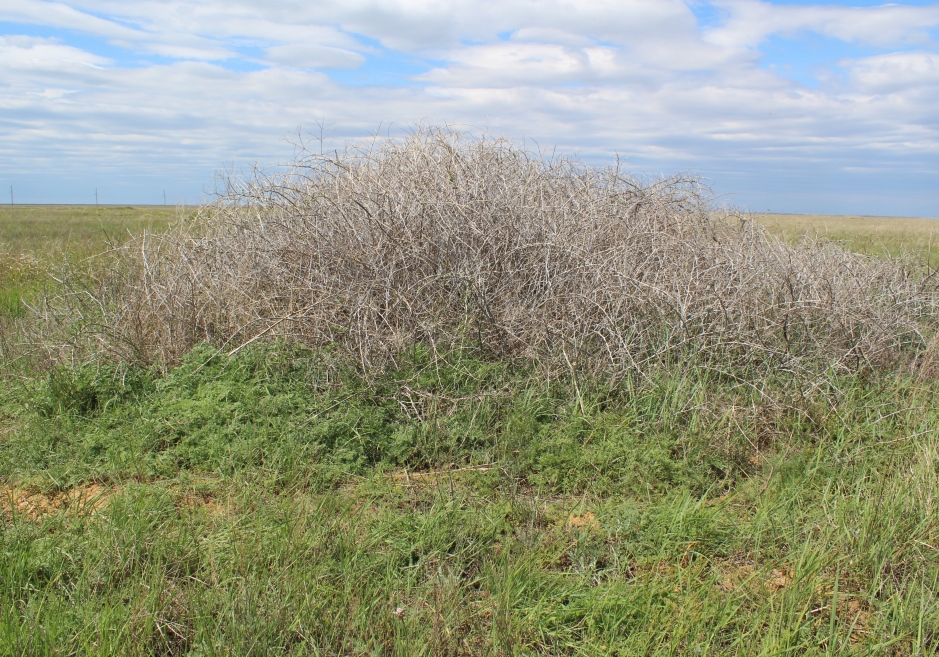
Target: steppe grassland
82 229
878 236
275 502
35 239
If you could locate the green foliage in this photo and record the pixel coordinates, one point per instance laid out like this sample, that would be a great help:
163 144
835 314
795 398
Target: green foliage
20 277
277 502
291 411
11 302
89 389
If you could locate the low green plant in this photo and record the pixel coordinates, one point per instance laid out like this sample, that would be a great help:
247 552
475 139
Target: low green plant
277 502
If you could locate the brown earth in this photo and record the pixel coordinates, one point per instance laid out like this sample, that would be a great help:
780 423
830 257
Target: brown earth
87 498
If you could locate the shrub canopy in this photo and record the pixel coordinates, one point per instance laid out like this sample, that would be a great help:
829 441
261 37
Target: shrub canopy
447 239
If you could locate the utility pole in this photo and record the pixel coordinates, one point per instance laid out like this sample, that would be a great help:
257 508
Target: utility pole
11 195
164 197
96 196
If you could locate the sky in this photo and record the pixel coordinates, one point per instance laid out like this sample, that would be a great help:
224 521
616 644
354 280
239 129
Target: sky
783 105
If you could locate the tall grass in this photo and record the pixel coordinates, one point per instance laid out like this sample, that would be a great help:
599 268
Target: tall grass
448 239
39 244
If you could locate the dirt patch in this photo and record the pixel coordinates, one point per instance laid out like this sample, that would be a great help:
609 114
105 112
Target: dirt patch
84 498
859 614
586 521
741 573
778 579
736 576
203 492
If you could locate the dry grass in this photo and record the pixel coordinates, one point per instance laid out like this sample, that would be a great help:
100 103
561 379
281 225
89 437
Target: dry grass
35 240
445 239
879 236
51 230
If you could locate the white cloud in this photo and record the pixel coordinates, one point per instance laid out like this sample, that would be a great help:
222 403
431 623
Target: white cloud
37 55
525 64
313 56
906 73
126 35
57 14
750 22
595 76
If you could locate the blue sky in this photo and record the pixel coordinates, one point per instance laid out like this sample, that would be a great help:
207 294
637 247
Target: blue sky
794 106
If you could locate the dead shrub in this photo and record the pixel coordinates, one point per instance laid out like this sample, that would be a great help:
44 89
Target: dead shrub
449 239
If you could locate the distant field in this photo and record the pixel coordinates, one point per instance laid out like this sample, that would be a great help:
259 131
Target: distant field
35 237
872 235
44 229
48 229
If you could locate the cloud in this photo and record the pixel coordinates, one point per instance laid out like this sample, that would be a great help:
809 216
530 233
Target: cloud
906 73
56 14
528 64
750 22
313 56
596 77
36 55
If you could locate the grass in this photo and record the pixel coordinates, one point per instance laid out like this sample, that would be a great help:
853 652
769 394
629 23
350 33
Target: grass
277 502
879 236
268 503
43 229
34 238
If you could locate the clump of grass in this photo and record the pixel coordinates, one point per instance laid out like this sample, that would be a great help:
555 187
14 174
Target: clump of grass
19 274
449 240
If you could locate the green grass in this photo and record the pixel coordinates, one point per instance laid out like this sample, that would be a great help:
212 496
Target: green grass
275 503
880 236
35 238
46 229
278 503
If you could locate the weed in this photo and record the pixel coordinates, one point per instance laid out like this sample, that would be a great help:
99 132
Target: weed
450 241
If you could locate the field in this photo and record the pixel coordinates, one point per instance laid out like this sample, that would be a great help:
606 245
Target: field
880 236
273 499
41 229
34 238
